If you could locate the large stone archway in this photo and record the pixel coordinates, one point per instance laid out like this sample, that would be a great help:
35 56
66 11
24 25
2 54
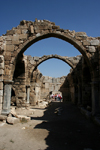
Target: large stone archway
27 78
19 38
71 61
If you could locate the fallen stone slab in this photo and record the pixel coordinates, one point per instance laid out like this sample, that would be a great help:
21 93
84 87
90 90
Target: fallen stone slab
3 117
25 117
12 120
13 112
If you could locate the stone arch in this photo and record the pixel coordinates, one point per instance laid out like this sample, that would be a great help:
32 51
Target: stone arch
69 60
18 39
27 33
77 44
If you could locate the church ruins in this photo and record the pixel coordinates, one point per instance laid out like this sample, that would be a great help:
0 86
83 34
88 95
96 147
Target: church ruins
22 83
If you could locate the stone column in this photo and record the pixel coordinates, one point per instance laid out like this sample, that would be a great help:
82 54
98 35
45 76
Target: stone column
79 94
1 94
95 98
72 91
7 97
1 80
28 93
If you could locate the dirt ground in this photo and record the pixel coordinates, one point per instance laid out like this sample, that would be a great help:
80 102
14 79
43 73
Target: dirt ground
60 126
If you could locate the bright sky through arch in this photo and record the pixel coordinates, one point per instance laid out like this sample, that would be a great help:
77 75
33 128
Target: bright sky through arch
53 67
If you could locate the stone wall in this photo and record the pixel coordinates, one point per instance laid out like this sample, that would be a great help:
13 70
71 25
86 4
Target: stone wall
38 86
18 39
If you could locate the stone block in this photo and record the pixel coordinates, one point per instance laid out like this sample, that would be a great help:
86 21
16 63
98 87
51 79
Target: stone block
24 31
18 31
13 112
1 77
80 34
1 99
1 71
32 62
15 39
8 54
22 36
1 106
38 34
1 85
16 42
9 38
8 42
1 92
21 94
80 37
3 117
12 120
22 116
36 58
1 39
95 42
46 85
86 43
10 47
55 27
31 29
10 32
1 59
91 49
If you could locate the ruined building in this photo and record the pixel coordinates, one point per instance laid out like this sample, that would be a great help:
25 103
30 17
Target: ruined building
20 79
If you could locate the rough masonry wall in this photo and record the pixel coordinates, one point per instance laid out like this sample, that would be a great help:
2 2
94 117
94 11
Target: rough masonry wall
18 39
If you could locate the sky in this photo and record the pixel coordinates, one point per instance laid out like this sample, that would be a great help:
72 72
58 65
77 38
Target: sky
78 15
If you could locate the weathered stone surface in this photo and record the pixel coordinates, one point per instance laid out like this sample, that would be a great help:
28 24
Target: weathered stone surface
1 92
1 59
92 49
12 120
95 42
80 34
10 32
10 47
1 100
1 71
21 94
23 36
3 117
1 85
38 34
22 116
31 29
13 112
36 58
1 65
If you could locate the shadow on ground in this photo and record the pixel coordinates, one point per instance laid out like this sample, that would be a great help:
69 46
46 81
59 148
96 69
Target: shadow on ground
68 129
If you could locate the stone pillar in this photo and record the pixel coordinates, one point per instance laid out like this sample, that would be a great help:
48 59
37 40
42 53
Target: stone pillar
7 97
1 80
72 91
79 95
1 95
28 93
95 98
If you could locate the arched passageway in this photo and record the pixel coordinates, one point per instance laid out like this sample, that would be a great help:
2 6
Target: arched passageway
17 40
